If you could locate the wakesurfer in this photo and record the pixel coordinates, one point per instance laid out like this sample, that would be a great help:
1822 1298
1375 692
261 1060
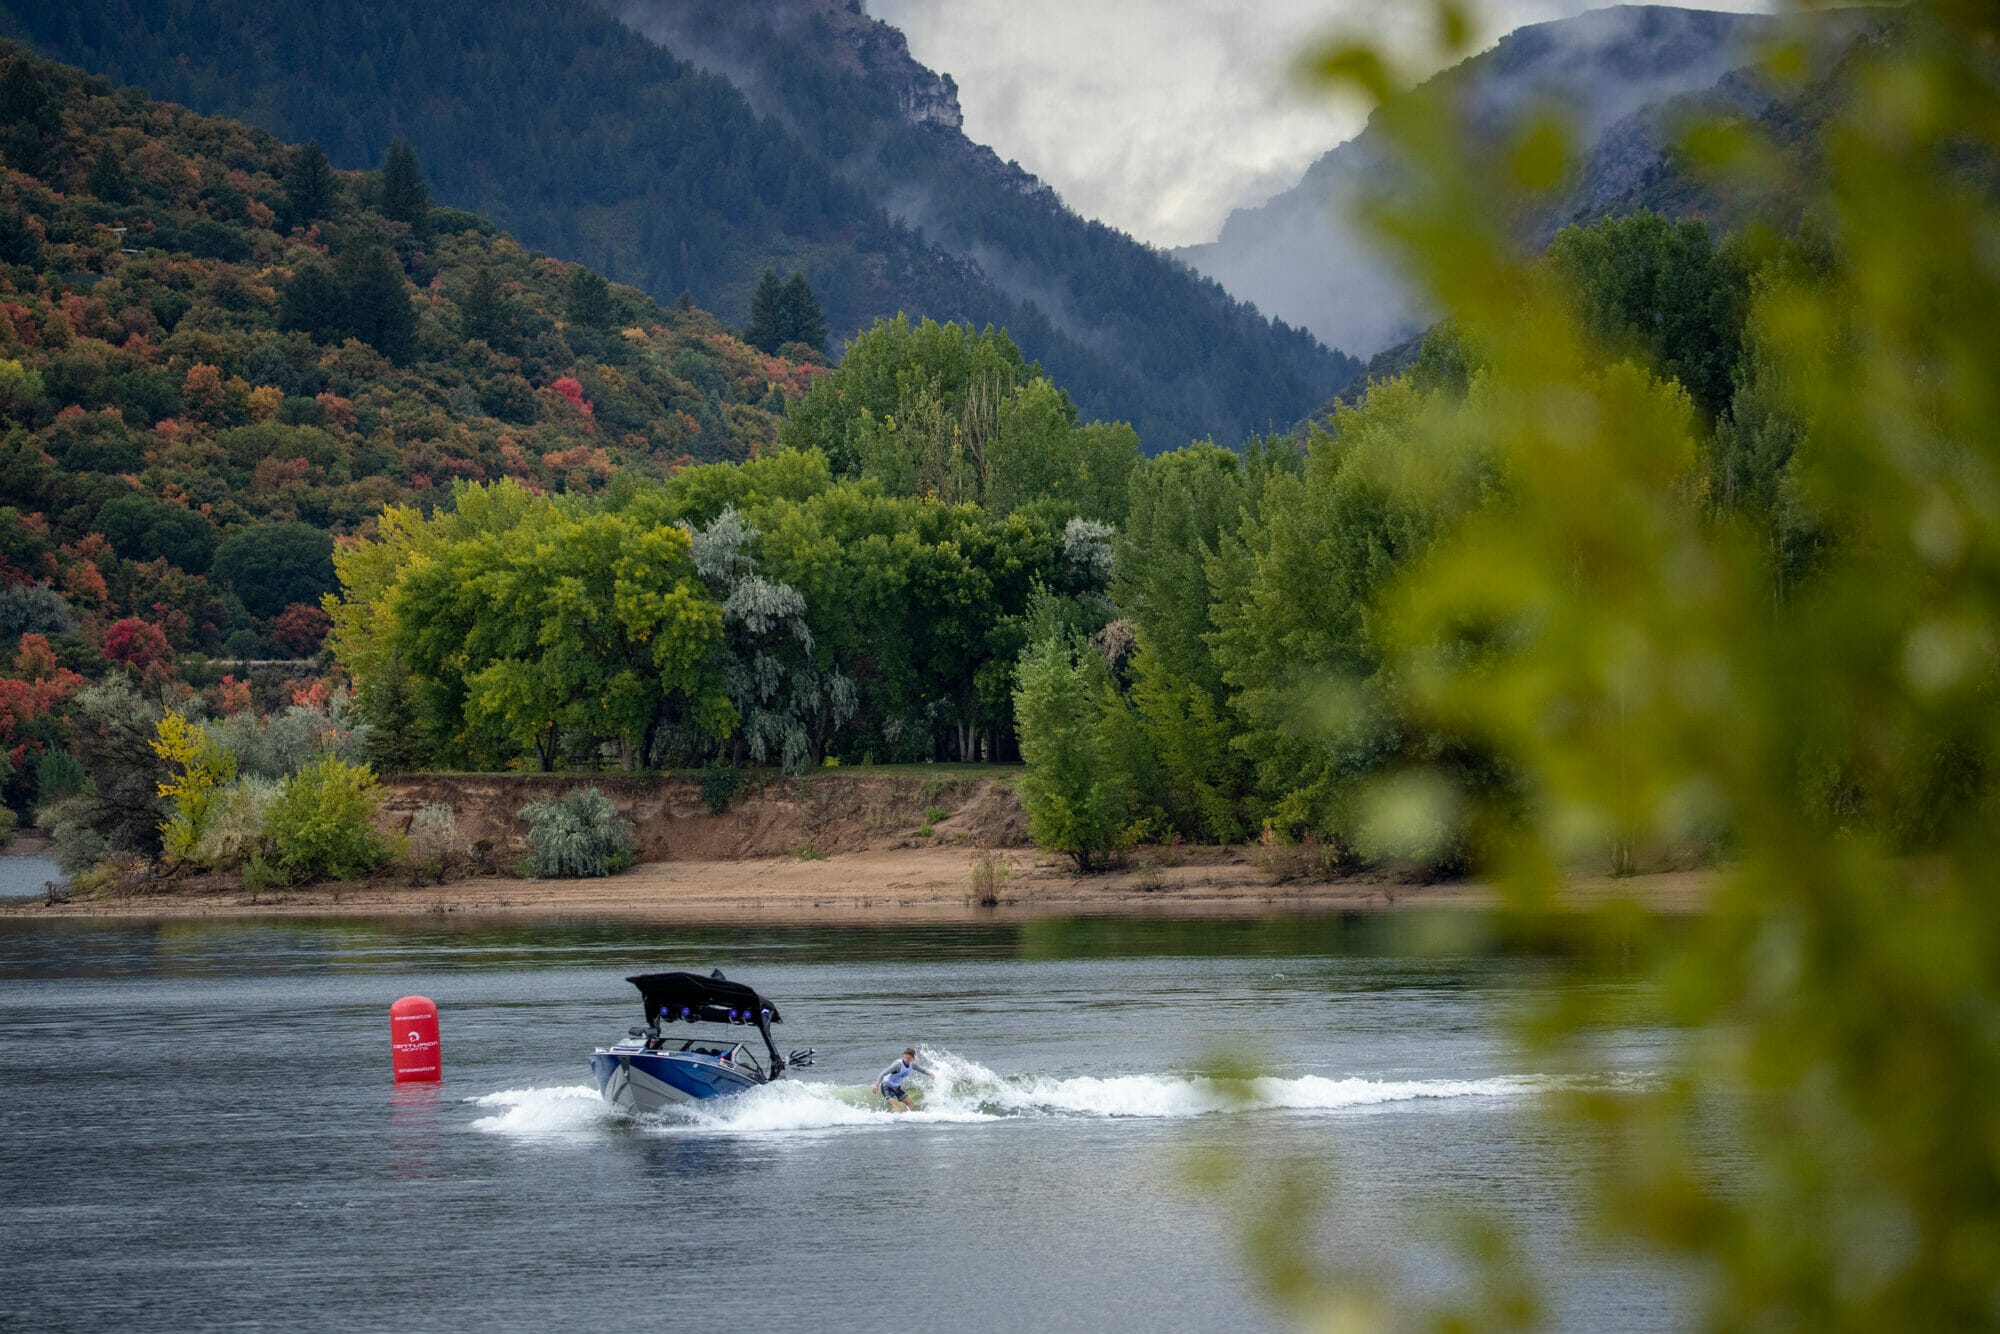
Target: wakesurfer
890 1085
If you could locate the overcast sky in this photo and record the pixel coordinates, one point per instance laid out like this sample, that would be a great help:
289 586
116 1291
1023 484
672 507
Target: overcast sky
1159 116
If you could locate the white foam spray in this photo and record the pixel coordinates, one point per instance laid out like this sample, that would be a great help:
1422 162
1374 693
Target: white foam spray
964 1091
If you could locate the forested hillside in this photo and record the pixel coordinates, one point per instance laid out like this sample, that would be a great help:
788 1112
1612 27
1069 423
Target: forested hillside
217 355
585 138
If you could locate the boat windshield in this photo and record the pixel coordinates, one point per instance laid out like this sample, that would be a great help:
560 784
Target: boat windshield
737 1054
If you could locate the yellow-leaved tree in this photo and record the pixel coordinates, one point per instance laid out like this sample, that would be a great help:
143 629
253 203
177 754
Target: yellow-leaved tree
202 768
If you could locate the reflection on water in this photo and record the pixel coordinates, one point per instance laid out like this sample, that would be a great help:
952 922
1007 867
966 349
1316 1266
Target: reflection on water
192 945
235 1078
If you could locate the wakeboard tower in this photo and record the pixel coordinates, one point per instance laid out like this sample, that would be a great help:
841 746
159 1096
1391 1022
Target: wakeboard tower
649 1069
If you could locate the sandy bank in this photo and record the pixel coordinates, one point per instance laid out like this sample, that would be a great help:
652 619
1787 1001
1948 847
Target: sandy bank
902 884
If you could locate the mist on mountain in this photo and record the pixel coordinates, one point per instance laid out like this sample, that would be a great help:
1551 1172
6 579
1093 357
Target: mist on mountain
1302 257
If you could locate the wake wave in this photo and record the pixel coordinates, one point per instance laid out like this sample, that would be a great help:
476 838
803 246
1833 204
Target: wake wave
961 1090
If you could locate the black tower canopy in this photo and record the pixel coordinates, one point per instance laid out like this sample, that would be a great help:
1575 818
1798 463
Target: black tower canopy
710 998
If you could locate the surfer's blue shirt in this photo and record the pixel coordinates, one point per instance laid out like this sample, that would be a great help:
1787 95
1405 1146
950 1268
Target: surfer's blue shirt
893 1077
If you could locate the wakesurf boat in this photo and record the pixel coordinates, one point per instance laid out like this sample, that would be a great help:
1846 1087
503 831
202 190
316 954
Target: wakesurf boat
651 1069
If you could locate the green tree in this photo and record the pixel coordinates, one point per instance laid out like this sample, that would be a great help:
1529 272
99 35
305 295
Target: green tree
107 180
1077 793
397 742
529 621
402 195
315 303
1038 455
1184 505
484 314
376 300
1663 291
1295 639
766 329
311 189
270 566
142 528
19 242
800 318
587 299
935 387
30 117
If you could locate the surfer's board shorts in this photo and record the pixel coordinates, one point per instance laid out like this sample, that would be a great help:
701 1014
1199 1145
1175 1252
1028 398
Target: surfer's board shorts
895 1095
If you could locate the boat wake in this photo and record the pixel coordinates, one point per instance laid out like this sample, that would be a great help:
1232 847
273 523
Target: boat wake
964 1091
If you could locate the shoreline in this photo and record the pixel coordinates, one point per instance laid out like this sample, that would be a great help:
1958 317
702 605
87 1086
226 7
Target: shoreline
927 885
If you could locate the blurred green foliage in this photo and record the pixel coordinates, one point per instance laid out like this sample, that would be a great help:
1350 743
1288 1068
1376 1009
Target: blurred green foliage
1781 637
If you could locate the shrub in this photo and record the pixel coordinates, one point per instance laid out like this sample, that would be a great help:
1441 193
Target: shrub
282 744
259 875
76 844
236 825
436 844
322 824
989 868
720 784
578 834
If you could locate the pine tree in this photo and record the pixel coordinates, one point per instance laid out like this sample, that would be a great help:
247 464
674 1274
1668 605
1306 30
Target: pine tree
108 180
484 314
396 740
19 242
766 328
309 186
802 319
314 303
588 301
404 198
30 118
378 304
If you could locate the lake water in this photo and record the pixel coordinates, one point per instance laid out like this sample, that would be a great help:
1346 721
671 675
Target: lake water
197 1127
24 875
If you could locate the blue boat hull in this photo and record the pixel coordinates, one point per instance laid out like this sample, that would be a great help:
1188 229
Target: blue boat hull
645 1081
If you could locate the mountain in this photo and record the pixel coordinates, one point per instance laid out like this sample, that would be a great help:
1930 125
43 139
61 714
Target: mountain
217 356
723 139
1637 163
1300 257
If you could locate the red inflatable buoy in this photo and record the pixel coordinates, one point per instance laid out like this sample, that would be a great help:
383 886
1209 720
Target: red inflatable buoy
413 1041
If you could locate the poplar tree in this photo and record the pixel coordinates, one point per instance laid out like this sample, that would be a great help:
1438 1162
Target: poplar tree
1077 793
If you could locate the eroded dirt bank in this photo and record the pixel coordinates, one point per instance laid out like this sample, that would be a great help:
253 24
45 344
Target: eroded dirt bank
819 814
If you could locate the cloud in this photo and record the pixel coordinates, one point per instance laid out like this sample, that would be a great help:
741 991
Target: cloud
1159 116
